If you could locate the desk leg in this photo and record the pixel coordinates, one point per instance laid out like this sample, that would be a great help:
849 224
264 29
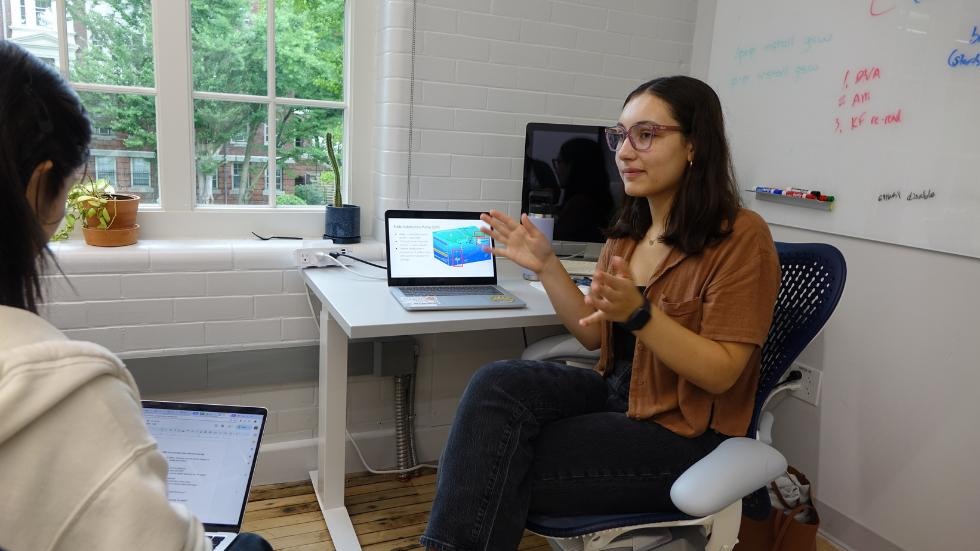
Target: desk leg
328 481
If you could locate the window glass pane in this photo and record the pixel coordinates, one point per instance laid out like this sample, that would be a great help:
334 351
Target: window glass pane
109 42
140 171
306 171
231 159
126 132
105 169
310 49
228 40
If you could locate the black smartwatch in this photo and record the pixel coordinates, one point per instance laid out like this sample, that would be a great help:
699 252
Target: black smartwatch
639 318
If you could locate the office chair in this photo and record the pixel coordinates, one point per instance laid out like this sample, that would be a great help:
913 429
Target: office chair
710 493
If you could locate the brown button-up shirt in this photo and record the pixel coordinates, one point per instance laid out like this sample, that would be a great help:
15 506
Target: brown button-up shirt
725 293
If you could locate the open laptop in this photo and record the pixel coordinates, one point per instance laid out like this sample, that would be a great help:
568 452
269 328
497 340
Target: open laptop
211 452
436 261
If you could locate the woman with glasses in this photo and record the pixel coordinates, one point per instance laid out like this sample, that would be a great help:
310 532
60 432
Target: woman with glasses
679 307
78 469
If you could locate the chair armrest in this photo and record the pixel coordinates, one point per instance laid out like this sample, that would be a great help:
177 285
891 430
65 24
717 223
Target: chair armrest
736 468
559 348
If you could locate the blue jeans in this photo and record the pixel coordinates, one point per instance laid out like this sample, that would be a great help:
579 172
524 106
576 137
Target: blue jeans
547 438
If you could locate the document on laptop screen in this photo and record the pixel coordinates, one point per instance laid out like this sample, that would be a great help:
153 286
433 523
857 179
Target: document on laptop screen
442 248
209 457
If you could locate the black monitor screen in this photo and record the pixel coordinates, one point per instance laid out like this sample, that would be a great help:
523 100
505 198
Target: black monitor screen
570 174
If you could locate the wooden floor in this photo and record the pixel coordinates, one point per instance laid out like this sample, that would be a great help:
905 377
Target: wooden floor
388 514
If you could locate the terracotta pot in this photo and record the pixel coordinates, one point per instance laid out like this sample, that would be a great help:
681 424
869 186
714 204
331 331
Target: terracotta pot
113 237
122 208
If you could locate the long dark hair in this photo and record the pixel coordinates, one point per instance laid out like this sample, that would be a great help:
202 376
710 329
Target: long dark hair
41 119
707 202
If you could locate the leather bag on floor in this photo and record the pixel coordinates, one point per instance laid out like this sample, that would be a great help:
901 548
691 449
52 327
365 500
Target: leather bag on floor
781 531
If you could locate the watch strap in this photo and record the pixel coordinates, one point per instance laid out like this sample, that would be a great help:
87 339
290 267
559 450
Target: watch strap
639 318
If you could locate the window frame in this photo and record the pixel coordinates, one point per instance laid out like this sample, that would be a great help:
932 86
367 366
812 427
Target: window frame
177 215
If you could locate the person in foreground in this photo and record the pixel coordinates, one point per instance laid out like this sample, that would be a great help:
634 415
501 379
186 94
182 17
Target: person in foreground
78 469
679 306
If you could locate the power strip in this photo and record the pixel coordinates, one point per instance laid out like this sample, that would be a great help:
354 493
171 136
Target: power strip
315 257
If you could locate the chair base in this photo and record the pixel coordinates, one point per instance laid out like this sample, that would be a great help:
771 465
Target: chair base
719 533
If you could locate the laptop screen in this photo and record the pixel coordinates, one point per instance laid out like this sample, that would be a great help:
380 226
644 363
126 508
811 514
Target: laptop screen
437 247
210 453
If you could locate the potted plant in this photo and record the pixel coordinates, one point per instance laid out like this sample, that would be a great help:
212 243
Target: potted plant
108 218
343 222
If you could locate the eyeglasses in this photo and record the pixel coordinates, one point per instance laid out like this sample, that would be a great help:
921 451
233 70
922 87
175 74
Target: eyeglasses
640 134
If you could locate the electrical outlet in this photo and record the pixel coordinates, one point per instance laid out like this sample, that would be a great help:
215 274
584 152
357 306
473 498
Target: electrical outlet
316 256
809 390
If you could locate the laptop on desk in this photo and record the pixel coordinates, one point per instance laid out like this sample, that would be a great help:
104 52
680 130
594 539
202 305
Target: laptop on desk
436 261
211 452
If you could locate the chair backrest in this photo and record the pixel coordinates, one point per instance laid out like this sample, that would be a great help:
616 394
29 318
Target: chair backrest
812 281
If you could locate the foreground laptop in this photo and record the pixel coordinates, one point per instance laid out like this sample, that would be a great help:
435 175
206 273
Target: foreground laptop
436 261
211 452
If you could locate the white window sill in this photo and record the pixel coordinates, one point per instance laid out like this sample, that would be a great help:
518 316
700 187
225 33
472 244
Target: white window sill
191 255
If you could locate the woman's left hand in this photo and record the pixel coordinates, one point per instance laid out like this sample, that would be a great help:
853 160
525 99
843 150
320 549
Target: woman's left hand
613 294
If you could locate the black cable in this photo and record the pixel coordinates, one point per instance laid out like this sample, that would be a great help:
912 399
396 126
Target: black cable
338 255
524 333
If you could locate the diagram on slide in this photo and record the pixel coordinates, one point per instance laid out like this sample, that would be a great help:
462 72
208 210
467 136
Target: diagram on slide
459 246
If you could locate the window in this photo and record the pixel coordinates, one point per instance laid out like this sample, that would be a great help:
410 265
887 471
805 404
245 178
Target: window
279 190
255 115
140 171
236 176
212 56
105 167
42 13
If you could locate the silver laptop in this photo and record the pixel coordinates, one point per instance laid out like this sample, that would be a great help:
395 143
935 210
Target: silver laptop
436 261
211 452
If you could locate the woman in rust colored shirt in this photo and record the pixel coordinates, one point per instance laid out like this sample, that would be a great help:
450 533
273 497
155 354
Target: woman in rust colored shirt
679 307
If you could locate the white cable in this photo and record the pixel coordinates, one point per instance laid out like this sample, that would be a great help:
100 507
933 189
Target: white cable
377 471
348 268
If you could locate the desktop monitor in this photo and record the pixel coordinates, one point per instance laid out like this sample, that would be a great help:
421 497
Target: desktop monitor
570 174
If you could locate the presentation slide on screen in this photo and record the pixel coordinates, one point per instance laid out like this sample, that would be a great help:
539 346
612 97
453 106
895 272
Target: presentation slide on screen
209 459
438 248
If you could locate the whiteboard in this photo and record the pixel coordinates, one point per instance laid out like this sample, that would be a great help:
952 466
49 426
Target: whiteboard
876 102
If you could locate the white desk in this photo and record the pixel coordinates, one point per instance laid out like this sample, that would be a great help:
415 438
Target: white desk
353 307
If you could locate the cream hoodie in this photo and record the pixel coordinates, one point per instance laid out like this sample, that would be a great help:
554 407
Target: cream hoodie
78 469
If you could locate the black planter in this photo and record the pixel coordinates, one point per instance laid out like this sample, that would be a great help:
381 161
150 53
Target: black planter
343 224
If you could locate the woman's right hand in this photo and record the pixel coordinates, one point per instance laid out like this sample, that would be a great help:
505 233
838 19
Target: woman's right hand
525 245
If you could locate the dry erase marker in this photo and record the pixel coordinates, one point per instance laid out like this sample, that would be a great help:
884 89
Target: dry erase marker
805 192
772 190
795 193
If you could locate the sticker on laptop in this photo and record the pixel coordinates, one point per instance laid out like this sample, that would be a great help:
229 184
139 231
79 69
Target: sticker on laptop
501 298
420 301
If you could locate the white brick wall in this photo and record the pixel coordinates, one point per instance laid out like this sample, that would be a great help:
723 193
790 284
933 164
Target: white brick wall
484 69
176 297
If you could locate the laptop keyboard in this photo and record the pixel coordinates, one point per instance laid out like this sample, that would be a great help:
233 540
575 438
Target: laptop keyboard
215 540
455 290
